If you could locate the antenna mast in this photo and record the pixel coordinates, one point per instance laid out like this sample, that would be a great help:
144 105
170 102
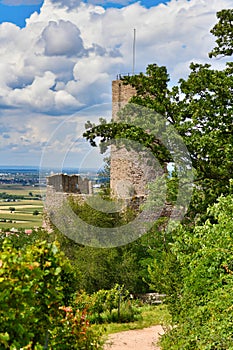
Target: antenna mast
134 46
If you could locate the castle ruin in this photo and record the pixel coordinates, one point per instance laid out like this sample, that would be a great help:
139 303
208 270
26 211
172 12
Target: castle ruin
69 184
129 172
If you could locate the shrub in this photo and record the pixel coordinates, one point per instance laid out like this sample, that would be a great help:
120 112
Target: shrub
107 306
33 291
204 314
128 312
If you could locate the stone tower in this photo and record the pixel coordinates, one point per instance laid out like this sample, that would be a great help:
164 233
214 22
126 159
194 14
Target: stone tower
129 174
121 95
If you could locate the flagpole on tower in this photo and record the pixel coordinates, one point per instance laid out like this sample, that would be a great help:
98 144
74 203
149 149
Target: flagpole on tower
134 50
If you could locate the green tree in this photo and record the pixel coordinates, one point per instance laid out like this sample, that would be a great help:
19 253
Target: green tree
223 30
195 267
200 109
203 313
104 176
103 268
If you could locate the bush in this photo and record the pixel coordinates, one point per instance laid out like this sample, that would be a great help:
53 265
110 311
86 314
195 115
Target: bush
204 311
34 289
128 312
74 332
107 306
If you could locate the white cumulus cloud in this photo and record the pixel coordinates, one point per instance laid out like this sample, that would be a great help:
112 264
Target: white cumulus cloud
62 38
68 54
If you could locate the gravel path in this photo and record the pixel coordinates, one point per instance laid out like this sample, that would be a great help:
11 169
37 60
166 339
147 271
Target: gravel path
139 339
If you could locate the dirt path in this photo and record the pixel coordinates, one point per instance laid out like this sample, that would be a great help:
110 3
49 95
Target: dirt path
139 339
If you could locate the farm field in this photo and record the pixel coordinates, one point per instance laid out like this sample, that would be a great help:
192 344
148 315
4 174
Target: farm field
20 190
23 212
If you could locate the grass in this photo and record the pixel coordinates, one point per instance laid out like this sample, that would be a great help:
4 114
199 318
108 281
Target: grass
21 203
20 190
151 316
21 225
23 216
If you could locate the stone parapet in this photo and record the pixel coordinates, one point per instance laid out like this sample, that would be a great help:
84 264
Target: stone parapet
70 184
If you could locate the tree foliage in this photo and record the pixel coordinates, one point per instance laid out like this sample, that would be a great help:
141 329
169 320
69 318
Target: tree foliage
200 109
194 267
34 290
203 313
102 268
223 30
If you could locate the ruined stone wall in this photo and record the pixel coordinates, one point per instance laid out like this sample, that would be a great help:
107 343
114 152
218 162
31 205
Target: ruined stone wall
59 188
69 184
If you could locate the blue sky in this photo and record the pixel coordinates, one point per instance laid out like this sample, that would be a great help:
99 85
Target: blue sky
59 57
18 13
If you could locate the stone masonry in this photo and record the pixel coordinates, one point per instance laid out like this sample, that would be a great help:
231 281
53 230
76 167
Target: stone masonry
121 95
69 184
59 188
129 173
